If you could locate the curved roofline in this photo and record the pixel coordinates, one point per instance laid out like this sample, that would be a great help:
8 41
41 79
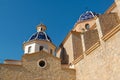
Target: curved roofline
37 34
87 15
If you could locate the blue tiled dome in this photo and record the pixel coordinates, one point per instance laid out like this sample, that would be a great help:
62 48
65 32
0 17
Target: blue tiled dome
88 15
40 36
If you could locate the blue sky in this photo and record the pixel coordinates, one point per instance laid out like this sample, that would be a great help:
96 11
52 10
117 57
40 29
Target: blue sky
18 20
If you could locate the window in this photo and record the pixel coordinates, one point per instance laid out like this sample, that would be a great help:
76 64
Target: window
51 51
29 49
41 29
87 26
42 63
40 48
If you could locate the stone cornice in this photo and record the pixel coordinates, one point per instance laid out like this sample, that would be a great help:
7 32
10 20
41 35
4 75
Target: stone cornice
10 65
111 33
69 69
13 60
78 59
38 41
110 8
97 44
93 27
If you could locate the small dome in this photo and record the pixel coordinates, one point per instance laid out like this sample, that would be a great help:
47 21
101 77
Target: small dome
88 15
40 36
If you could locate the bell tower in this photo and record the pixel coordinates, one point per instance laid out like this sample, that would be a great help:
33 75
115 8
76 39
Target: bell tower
39 41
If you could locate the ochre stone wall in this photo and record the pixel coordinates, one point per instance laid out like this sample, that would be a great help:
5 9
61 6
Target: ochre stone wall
103 63
65 52
30 69
77 45
90 38
68 45
9 72
108 22
68 74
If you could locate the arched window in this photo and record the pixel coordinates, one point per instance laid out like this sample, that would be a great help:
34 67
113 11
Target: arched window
51 51
29 49
41 29
40 48
87 26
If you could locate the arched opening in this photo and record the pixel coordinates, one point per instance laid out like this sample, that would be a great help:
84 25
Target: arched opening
40 48
29 49
51 51
41 29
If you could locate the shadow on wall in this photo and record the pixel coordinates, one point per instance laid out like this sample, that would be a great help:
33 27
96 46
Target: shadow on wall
64 56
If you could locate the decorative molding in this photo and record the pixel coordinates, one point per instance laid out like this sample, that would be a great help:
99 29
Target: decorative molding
10 65
111 33
93 26
110 8
38 78
96 45
68 69
38 41
78 59
44 60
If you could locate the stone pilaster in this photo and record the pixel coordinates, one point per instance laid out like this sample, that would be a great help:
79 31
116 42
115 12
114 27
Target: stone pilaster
117 2
98 26
83 43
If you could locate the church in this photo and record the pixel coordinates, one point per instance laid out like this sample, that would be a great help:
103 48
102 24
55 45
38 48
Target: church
90 51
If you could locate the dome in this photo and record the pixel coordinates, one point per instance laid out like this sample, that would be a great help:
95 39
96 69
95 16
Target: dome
40 36
88 15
